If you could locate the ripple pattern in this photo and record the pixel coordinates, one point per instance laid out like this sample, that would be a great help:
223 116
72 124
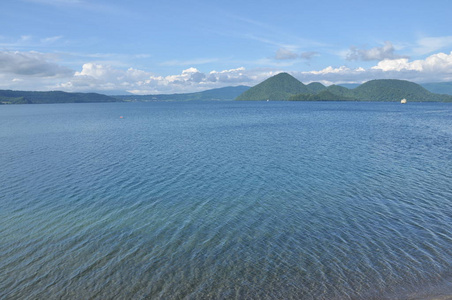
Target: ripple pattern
226 200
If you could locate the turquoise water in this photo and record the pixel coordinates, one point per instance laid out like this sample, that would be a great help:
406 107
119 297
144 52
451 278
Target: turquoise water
224 200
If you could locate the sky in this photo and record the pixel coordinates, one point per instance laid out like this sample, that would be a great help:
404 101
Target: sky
158 47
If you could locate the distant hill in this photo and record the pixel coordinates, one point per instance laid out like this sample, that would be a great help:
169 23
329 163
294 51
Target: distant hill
387 90
278 87
226 93
325 95
395 90
316 87
439 87
28 97
349 85
285 87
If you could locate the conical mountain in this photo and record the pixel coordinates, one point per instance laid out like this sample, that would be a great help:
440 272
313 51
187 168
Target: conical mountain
278 87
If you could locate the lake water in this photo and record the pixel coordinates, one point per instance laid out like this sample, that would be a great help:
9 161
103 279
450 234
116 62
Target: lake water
224 200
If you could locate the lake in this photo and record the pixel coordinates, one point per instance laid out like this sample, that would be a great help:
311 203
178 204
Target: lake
226 200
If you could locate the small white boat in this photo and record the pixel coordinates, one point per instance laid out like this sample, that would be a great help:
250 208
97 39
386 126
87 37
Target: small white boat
403 101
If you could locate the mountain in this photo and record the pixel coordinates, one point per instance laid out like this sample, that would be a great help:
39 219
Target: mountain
285 87
349 85
325 95
316 87
343 93
28 97
226 93
395 90
278 87
439 87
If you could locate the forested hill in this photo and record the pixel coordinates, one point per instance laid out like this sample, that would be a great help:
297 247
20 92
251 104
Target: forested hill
28 97
395 90
278 87
285 87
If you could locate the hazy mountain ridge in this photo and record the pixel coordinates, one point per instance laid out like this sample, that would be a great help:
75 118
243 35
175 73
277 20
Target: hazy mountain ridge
223 94
34 97
439 87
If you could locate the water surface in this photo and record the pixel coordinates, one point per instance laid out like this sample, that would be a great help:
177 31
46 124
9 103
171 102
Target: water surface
221 200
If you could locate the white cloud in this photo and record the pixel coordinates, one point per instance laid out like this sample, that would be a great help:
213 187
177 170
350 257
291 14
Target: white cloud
439 63
437 67
428 45
38 71
101 77
387 51
397 65
105 78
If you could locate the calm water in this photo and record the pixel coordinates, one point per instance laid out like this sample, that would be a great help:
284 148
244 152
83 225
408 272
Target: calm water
223 200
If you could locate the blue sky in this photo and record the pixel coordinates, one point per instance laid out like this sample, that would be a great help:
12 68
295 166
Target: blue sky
147 47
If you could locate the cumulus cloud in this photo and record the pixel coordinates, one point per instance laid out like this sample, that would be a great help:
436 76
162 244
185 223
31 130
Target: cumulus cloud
387 51
30 64
106 78
101 77
37 71
437 67
437 63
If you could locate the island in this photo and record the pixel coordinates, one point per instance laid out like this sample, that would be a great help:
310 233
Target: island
284 86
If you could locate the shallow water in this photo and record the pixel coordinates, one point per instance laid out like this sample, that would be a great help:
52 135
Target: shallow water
221 200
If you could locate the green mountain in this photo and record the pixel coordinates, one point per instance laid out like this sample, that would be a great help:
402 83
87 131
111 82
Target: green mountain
278 87
325 95
342 92
226 93
395 90
316 87
285 87
439 87
349 85
433 87
27 97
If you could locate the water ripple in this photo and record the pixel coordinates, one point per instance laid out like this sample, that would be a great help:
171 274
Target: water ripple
222 200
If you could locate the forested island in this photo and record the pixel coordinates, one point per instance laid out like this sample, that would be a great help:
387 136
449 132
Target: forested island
286 87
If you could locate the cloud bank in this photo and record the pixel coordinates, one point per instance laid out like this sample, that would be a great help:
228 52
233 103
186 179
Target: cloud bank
435 68
106 78
39 71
